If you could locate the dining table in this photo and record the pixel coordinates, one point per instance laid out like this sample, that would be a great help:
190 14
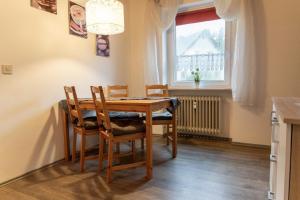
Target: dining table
145 105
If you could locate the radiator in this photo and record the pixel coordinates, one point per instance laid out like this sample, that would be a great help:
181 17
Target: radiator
199 115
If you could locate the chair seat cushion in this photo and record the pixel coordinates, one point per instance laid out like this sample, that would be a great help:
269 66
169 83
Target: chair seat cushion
123 115
89 123
126 127
160 116
88 113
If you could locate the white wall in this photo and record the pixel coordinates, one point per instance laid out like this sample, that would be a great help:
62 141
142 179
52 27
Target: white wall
278 47
136 71
45 58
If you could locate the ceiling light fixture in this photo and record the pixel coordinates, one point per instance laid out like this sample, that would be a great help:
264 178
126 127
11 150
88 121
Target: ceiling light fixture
105 17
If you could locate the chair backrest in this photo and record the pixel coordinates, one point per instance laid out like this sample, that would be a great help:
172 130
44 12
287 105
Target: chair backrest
157 90
100 106
73 105
117 91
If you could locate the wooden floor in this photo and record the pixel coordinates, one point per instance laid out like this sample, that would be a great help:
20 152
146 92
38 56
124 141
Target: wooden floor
203 170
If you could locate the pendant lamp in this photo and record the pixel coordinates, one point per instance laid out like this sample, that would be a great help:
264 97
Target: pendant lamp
105 17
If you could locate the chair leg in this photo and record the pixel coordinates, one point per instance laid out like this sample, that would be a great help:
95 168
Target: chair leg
133 150
142 144
82 152
74 147
174 143
101 152
168 133
110 160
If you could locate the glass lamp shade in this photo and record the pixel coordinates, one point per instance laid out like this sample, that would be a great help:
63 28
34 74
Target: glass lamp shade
105 17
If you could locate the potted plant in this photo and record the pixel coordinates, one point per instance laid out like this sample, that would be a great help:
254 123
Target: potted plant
197 77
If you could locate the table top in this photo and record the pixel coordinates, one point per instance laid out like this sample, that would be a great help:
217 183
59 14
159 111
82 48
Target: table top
288 109
135 104
129 100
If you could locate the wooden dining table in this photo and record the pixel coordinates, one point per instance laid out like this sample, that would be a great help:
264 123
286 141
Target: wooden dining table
142 105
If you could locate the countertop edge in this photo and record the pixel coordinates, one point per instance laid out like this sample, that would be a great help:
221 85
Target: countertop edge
288 108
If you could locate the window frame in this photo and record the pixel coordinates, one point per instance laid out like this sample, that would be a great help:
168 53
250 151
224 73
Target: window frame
207 84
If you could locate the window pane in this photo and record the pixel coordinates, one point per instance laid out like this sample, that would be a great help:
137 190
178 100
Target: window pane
200 45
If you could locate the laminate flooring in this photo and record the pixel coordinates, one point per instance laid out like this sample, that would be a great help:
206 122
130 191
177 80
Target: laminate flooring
203 170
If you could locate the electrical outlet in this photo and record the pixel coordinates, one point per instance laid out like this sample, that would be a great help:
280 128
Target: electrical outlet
7 69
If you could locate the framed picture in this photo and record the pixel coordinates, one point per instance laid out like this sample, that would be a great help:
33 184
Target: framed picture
77 22
102 42
46 5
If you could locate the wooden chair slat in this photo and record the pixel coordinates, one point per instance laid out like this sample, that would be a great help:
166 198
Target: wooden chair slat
117 91
151 90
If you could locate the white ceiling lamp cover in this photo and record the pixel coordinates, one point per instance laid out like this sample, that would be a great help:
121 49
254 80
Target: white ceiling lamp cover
105 17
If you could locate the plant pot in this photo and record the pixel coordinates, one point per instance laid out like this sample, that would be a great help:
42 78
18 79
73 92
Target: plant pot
197 84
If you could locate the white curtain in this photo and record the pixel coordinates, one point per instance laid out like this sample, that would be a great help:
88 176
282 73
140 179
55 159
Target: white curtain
243 80
159 16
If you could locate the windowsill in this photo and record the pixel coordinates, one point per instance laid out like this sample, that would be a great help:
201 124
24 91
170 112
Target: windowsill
221 86
201 88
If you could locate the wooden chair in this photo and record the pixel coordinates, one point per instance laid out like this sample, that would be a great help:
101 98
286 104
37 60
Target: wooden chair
119 91
82 125
114 132
163 118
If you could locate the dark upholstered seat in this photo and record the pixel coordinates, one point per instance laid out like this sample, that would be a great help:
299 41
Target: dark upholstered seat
90 120
123 115
88 113
160 116
113 115
125 127
90 123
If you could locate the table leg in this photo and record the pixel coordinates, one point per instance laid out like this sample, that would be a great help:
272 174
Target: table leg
174 134
65 124
149 161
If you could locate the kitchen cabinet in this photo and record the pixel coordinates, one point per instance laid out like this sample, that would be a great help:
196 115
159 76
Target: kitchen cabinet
285 149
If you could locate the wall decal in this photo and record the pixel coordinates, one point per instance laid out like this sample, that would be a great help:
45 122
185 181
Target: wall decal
103 45
77 22
46 5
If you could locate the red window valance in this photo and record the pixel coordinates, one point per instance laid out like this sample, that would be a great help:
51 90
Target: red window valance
202 15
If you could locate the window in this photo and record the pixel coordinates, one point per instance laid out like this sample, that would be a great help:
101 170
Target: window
201 42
